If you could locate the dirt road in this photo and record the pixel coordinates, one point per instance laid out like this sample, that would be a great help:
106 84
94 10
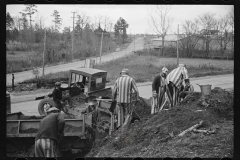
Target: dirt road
21 76
145 90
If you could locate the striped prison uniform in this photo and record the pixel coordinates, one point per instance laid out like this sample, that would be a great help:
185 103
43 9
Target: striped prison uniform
50 132
45 148
122 90
159 85
174 81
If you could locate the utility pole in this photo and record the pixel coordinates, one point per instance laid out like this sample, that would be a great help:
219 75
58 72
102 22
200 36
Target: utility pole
134 41
101 46
73 33
44 46
177 46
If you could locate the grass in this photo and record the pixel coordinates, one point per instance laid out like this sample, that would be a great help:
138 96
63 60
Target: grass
19 60
144 68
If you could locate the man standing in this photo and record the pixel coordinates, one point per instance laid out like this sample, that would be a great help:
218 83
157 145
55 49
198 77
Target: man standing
174 82
158 90
58 98
123 90
50 133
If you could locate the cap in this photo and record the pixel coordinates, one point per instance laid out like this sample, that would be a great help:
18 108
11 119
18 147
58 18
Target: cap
125 70
164 70
58 84
182 65
51 109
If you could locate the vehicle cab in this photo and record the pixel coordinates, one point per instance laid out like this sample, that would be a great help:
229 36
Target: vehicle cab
91 81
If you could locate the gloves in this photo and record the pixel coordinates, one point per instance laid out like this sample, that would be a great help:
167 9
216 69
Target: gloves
154 94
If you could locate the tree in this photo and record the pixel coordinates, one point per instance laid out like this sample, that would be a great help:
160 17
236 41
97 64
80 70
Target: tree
160 21
57 20
82 21
231 23
9 21
191 30
30 10
9 25
208 23
224 35
120 28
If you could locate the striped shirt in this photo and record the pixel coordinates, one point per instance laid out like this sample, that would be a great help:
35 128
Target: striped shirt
177 76
124 86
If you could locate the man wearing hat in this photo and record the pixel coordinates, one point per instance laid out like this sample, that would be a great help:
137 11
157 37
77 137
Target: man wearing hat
123 89
174 83
57 95
50 133
158 90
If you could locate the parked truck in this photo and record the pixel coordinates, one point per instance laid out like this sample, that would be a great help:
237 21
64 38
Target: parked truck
92 101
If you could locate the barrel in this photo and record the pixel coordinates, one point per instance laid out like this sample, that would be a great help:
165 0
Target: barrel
8 110
206 89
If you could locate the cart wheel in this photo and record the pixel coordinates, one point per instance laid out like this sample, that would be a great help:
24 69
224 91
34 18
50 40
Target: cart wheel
45 103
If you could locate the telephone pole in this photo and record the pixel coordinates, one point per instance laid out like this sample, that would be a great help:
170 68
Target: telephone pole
44 46
73 34
177 46
101 47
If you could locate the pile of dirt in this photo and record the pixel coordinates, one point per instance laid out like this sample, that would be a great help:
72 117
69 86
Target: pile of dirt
30 130
157 135
72 129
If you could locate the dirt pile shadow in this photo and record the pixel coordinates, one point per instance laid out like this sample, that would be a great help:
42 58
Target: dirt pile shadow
157 135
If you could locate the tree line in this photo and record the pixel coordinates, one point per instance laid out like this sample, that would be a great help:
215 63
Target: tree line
203 35
26 34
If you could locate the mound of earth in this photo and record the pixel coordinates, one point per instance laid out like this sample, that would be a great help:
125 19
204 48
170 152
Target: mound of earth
158 135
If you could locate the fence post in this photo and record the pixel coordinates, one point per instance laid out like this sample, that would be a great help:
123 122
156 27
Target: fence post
13 82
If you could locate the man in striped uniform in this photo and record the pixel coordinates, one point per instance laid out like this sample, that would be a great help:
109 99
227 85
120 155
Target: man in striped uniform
159 90
174 82
122 91
50 132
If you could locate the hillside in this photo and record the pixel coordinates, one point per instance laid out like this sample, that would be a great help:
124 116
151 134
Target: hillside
157 135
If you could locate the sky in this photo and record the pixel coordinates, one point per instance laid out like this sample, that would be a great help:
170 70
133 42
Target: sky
137 16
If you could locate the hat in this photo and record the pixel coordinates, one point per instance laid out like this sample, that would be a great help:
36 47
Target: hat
125 70
182 65
58 84
47 110
164 70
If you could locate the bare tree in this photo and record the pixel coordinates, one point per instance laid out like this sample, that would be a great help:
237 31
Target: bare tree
98 20
224 35
107 22
82 21
160 21
231 23
191 29
208 23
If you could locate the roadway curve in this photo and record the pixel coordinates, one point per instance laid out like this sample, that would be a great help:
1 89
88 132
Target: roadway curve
223 81
21 76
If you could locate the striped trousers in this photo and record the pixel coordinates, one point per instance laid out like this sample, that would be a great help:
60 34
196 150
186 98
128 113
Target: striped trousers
124 111
173 94
45 148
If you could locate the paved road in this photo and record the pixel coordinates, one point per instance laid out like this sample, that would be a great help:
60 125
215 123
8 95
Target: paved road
223 81
21 76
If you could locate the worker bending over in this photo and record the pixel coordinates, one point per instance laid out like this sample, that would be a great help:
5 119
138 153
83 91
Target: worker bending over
50 133
174 82
187 89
